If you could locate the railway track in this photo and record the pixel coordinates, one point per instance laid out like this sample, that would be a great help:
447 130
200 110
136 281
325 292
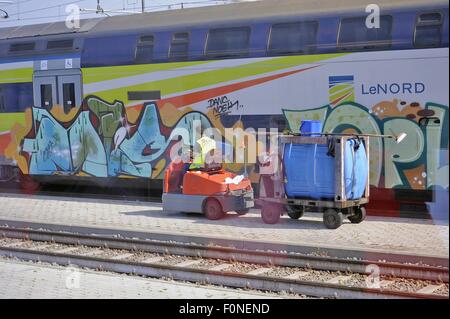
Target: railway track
315 276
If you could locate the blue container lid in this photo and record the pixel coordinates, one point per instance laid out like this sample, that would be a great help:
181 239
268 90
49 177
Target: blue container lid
311 126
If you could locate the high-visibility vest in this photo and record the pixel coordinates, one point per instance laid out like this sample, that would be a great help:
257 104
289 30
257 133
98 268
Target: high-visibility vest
198 162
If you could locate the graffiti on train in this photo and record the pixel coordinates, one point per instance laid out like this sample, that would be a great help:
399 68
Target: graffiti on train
223 106
100 140
104 139
419 162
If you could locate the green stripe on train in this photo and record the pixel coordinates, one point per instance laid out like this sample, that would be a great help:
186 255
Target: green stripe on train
214 77
16 75
99 74
8 120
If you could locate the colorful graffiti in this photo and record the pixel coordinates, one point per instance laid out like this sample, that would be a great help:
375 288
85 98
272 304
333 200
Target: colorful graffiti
99 140
420 162
108 140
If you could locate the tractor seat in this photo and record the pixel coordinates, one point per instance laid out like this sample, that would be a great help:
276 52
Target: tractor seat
174 177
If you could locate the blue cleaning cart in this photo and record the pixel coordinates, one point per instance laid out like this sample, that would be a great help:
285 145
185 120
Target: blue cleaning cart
315 173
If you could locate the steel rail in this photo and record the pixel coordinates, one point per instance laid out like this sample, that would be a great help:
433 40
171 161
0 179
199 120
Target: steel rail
228 279
409 271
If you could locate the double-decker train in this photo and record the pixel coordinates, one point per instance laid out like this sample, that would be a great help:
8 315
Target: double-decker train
99 102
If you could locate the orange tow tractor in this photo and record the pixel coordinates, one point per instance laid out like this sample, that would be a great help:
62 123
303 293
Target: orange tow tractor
208 189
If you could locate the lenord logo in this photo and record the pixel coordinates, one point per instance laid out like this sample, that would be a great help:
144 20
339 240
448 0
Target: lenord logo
341 89
393 88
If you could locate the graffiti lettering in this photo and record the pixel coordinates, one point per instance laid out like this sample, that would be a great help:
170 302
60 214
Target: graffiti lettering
396 155
108 147
47 152
437 149
223 105
419 162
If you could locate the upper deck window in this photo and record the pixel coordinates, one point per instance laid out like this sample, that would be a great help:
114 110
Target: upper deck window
428 31
144 49
228 42
21 47
293 38
354 34
179 46
60 44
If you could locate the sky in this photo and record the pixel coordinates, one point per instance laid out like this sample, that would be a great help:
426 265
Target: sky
23 12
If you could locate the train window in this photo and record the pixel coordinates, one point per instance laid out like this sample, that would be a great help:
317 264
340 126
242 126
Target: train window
434 17
60 44
293 38
144 49
228 42
46 96
68 96
427 33
21 47
355 36
179 46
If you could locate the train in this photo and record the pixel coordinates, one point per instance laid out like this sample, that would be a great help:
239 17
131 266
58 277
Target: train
99 102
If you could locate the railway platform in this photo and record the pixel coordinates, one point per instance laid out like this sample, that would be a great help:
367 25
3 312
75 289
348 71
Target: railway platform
381 237
31 280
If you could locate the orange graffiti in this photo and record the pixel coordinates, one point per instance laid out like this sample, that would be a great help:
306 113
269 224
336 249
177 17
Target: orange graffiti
18 133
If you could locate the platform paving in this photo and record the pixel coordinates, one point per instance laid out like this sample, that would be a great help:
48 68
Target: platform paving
394 235
22 280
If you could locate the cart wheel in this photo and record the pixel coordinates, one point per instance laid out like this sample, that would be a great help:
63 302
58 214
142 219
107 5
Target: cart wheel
213 210
243 211
332 218
270 214
295 212
359 216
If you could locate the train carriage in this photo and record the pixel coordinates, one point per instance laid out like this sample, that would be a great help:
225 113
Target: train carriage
100 102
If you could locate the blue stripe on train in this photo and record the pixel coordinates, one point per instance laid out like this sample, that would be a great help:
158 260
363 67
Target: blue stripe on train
15 97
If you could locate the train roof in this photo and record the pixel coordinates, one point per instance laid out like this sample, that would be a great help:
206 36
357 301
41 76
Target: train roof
228 13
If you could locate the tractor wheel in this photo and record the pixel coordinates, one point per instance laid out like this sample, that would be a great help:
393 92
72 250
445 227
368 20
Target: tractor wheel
243 211
358 216
332 218
270 213
295 212
213 209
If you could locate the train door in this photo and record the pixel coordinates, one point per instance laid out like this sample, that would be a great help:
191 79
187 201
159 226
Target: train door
57 82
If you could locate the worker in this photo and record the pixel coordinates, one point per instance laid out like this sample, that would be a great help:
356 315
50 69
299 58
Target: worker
207 148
